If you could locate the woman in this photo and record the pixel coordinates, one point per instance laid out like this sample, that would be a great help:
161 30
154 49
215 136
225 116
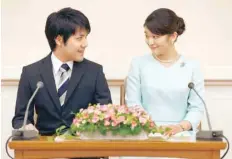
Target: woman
159 81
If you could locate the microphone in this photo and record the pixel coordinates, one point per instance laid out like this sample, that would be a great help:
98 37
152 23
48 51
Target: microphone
210 135
23 134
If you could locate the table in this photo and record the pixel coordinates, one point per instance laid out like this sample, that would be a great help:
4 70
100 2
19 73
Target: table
45 147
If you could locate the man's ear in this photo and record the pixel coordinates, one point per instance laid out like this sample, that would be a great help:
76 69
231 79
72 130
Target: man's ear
59 40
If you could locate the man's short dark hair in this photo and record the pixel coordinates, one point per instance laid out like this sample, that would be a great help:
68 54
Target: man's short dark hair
65 22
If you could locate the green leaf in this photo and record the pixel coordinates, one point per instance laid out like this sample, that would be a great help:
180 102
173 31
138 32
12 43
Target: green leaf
114 130
103 130
90 127
73 129
154 130
146 127
167 129
136 130
59 130
70 137
124 130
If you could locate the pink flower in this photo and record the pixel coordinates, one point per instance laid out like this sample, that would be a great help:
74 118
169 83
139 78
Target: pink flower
113 117
152 124
107 116
126 110
95 119
121 110
110 114
90 109
114 123
142 120
84 111
97 112
135 114
75 120
121 119
98 106
77 124
106 123
85 115
103 108
111 111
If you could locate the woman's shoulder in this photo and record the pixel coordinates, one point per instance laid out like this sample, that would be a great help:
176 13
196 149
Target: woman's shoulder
189 62
142 59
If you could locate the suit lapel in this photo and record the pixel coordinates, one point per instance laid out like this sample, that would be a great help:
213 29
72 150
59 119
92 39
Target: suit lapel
46 72
77 73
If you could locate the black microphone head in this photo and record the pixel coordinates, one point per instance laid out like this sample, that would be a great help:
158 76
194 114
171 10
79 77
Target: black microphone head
40 84
191 85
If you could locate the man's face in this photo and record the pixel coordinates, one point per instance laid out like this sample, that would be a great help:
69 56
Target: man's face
75 46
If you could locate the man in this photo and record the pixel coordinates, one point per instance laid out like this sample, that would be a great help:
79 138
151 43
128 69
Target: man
71 82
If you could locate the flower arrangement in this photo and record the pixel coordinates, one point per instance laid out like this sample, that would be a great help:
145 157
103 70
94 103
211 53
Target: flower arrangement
117 119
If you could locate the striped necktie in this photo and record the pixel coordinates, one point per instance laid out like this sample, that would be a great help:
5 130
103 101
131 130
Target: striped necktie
63 83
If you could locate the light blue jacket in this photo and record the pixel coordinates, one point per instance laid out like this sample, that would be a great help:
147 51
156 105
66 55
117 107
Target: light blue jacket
164 92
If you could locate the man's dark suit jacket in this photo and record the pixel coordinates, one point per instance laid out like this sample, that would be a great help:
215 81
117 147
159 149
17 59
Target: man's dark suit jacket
86 86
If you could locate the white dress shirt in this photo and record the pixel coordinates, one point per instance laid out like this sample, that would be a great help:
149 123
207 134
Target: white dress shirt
56 63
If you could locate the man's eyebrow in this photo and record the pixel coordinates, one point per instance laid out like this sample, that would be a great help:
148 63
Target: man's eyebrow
80 35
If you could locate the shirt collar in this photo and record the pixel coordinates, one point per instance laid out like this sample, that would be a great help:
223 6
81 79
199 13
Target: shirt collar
57 64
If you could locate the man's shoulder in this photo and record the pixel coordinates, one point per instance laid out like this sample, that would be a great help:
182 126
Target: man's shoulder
92 64
36 65
39 63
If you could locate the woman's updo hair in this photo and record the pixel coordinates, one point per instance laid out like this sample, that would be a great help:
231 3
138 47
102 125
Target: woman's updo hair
164 21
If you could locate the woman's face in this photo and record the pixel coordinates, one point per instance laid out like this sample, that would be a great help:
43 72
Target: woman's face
159 44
